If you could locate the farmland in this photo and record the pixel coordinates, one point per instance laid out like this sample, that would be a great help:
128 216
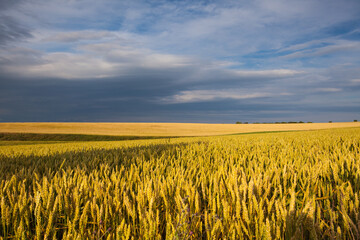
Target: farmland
301 185
161 129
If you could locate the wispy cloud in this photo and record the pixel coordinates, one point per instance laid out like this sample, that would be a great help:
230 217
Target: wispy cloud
332 47
76 36
274 73
212 95
328 89
11 30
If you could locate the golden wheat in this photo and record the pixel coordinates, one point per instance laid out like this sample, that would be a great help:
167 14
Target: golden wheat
302 185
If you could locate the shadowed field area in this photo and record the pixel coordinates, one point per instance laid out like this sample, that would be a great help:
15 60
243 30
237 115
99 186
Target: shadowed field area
67 137
161 129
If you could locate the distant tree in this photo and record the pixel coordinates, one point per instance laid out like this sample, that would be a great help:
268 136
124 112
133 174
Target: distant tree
330 121
355 120
238 122
245 122
309 122
301 122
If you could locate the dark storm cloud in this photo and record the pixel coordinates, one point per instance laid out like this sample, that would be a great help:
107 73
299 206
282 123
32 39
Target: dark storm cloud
134 99
105 99
94 100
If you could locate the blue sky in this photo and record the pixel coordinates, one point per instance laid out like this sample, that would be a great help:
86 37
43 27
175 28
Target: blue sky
180 61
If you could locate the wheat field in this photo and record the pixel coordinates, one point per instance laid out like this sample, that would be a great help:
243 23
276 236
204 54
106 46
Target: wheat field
290 185
162 129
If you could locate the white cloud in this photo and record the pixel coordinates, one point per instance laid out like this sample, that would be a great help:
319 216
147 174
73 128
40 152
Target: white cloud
211 95
267 73
328 89
120 56
71 66
94 61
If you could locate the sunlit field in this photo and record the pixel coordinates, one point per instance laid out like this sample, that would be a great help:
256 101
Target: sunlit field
162 129
289 185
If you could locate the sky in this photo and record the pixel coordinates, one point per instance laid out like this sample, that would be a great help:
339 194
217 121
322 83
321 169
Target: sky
179 61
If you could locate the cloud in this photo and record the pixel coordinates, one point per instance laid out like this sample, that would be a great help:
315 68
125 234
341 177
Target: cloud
178 60
331 47
328 89
6 4
93 62
75 36
212 95
11 31
251 27
119 57
17 58
274 73
11 28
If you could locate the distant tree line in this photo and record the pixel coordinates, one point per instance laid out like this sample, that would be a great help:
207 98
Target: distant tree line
271 122
278 122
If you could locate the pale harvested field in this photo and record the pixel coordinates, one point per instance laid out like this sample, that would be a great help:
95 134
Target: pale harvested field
161 129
